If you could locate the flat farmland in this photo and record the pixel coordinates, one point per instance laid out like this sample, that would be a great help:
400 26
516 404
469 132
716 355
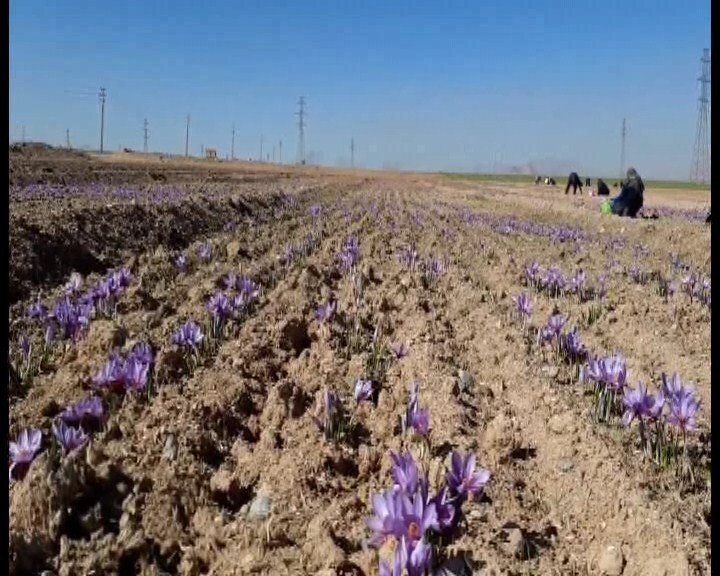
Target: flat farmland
240 368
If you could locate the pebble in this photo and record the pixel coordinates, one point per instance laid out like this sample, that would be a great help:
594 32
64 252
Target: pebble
515 545
170 449
566 466
260 508
611 561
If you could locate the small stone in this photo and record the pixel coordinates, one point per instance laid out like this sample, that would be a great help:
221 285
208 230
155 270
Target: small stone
611 561
260 508
465 380
515 545
566 466
562 423
232 249
170 449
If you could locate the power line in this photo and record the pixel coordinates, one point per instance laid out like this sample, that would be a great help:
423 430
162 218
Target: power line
301 125
145 135
622 152
103 96
187 135
701 153
280 151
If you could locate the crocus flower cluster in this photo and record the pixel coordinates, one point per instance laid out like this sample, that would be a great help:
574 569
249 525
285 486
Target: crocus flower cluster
414 418
412 519
409 256
523 307
349 254
697 287
188 336
433 269
67 430
609 378
129 374
664 418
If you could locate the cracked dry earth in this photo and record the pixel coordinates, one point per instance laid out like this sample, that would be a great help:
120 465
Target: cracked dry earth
223 470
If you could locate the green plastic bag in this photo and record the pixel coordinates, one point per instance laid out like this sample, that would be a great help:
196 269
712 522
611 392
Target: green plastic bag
606 207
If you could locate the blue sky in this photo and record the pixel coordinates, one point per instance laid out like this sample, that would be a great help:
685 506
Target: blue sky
441 85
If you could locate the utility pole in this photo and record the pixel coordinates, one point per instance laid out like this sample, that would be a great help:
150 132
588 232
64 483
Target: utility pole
145 135
352 152
280 151
301 125
67 137
232 148
23 133
187 135
622 152
261 147
273 156
701 153
103 96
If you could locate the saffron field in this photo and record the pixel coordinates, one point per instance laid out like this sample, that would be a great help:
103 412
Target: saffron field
237 369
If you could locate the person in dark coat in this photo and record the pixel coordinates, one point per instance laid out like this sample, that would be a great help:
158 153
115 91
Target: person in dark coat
603 189
588 182
630 199
707 218
574 181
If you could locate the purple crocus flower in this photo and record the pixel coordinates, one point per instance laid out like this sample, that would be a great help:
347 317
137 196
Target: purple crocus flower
219 306
637 404
420 421
399 562
388 518
37 311
462 478
230 281
181 262
68 437
315 210
556 322
325 312
657 403
418 516
111 375
674 389
248 288
523 305
419 560
571 346
135 374
445 505
24 344
90 407
683 413
205 252
531 271
27 445
613 371
142 352
188 336
362 390
404 472
399 350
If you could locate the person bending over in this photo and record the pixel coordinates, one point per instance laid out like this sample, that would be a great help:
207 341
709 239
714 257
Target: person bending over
574 181
603 189
630 199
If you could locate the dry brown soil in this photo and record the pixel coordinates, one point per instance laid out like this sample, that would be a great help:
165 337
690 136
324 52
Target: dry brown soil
167 486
